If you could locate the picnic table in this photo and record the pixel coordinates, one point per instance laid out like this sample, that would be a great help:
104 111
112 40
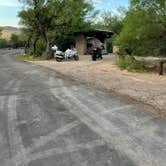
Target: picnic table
159 60
161 66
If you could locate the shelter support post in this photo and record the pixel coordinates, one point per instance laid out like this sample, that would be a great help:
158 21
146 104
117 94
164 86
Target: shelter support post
161 67
81 44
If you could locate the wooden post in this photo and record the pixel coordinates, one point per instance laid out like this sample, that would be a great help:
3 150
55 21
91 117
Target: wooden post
161 65
116 53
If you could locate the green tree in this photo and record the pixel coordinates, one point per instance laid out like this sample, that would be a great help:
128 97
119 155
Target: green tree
25 37
31 32
112 21
50 19
144 30
3 43
15 41
0 32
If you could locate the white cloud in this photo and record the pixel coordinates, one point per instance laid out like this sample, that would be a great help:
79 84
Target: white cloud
97 2
9 3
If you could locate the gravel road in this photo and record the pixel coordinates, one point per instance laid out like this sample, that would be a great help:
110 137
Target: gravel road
48 120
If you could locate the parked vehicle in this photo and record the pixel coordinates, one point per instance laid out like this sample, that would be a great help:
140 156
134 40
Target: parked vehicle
97 54
96 48
69 54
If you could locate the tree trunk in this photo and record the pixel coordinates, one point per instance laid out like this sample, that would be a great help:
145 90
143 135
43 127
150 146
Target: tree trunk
26 48
27 44
47 52
34 46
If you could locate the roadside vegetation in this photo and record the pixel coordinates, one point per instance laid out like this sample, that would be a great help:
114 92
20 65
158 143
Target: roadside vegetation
49 22
3 42
15 41
144 29
131 64
26 57
139 30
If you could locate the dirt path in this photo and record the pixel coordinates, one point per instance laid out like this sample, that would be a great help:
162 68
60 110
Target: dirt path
47 120
148 88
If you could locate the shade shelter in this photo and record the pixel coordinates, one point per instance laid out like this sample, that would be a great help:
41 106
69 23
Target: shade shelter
83 37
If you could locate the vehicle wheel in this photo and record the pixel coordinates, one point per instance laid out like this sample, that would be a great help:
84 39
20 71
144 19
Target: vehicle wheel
94 57
76 57
58 59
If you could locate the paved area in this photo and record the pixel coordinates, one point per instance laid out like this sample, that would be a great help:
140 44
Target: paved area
148 88
47 120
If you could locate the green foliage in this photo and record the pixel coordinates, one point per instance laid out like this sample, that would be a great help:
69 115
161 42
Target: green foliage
53 20
0 32
15 41
114 22
144 30
3 43
40 47
26 57
131 64
109 46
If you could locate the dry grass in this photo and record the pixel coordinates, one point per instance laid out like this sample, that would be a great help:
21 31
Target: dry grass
25 57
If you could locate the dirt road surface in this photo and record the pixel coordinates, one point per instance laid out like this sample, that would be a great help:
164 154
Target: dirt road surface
148 88
47 120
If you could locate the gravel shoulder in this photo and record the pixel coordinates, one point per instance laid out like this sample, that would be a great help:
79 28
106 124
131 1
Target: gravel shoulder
148 88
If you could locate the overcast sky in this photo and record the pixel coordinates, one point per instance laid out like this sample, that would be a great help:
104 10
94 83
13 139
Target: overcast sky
10 8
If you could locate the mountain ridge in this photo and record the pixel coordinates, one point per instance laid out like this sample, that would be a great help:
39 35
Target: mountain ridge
7 31
9 28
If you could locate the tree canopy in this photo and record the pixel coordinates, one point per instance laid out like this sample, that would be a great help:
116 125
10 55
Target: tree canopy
49 20
0 32
111 21
139 30
144 29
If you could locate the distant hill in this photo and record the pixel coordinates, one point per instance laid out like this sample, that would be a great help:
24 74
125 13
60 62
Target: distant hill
9 28
7 31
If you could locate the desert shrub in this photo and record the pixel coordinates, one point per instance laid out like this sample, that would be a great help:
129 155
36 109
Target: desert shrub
15 41
121 62
26 57
109 46
40 49
143 32
3 43
130 63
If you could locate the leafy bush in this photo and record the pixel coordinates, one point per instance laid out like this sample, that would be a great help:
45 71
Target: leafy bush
3 43
121 62
26 57
131 64
15 41
40 49
109 46
143 32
